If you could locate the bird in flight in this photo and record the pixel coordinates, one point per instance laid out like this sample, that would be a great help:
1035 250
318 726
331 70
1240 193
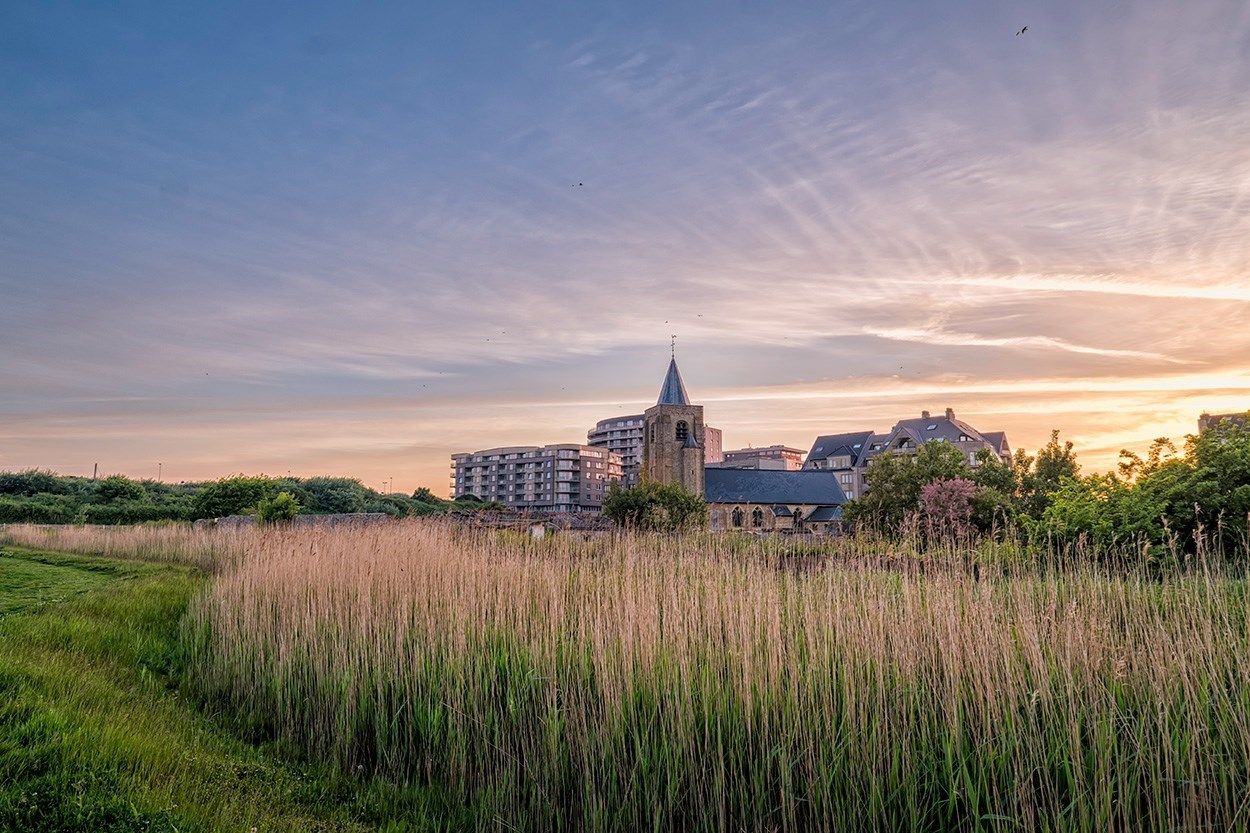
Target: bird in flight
1022 31
578 185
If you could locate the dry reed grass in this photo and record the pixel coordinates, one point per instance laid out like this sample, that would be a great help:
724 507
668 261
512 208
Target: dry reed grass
716 683
699 683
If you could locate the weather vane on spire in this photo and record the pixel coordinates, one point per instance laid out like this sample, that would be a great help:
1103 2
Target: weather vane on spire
672 346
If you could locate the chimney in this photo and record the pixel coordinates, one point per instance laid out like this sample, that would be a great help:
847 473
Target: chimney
924 414
950 413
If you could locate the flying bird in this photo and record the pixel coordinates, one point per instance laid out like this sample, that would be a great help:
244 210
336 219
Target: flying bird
1022 31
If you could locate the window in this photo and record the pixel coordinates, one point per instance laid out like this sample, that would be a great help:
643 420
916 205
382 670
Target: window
736 517
757 517
683 430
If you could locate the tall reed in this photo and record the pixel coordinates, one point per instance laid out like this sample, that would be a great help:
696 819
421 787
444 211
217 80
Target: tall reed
717 683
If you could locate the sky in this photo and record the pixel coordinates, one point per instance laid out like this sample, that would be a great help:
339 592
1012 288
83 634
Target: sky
354 238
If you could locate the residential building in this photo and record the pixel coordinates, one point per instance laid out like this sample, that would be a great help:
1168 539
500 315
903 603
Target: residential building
1207 421
847 455
565 477
774 457
621 435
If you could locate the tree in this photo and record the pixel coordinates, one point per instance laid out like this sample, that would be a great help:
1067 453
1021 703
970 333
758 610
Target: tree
424 495
665 507
1054 465
277 509
895 482
946 507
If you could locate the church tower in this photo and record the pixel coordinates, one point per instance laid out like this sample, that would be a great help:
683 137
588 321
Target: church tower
672 440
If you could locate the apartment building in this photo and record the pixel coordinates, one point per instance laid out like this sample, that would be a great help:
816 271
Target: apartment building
1208 421
621 435
771 457
847 455
564 477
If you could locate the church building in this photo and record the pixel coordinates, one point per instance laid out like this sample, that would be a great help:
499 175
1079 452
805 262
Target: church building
758 500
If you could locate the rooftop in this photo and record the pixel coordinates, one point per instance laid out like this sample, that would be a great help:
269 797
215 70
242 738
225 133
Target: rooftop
772 486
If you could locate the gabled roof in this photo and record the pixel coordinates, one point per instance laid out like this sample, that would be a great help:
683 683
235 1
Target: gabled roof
934 428
825 513
998 439
673 391
850 444
772 486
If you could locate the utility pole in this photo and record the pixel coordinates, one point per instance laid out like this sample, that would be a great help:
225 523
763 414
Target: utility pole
95 471
158 472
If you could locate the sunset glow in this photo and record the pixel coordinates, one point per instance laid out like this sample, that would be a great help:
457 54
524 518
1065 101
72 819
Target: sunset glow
353 242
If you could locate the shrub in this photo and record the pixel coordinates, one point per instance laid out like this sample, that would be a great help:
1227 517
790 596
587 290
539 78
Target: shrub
657 506
281 507
232 496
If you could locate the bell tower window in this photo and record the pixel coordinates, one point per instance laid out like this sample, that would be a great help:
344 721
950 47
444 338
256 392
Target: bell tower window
683 430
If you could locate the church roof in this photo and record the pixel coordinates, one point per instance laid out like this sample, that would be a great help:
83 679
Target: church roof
772 486
674 391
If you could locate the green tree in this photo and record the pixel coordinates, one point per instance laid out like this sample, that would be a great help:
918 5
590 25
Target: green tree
280 507
1043 475
663 507
896 480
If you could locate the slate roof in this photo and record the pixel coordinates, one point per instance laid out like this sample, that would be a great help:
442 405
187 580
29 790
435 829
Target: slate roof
674 390
772 486
851 444
825 513
998 439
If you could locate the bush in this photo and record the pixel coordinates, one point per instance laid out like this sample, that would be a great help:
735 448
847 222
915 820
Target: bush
117 487
281 507
39 509
30 482
233 496
336 495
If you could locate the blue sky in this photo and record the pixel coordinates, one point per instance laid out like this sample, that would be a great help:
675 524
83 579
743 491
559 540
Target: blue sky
330 238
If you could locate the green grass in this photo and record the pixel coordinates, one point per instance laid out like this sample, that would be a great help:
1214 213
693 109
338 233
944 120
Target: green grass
29 584
95 734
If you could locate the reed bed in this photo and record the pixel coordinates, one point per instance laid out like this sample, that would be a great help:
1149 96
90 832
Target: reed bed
715 683
208 548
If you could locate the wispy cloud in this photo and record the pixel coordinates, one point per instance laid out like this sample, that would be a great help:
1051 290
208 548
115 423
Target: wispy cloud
843 212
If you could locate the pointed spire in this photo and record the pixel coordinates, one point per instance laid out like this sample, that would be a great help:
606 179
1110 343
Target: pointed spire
674 391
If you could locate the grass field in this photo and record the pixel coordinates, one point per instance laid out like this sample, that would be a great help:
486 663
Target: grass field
96 736
691 683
